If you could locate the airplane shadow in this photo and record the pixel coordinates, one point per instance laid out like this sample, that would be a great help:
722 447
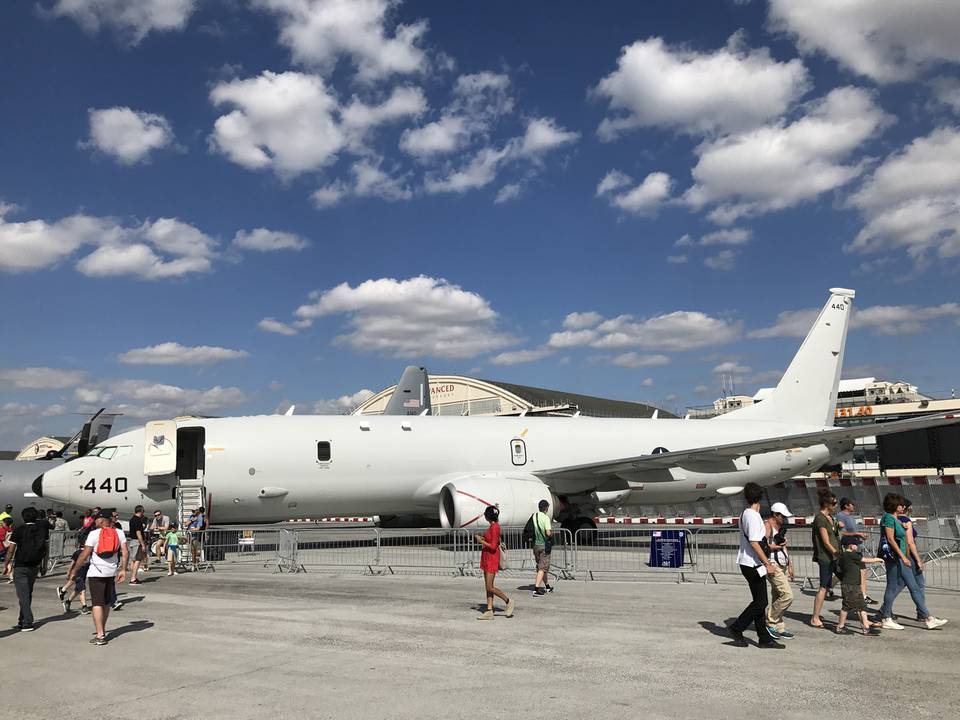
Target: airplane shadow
719 630
135 626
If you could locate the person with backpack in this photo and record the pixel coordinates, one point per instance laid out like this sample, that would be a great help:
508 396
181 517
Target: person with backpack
106 550
27 558
541 538
910 535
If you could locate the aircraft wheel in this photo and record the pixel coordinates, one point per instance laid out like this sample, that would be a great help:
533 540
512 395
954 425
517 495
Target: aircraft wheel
584 531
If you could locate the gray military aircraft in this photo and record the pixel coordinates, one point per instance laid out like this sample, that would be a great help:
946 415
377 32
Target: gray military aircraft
271 468
17 476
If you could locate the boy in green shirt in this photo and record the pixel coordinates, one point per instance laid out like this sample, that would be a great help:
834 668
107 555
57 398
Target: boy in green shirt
849 564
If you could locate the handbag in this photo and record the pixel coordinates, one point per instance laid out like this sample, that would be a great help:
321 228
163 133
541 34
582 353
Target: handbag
504 565
547 540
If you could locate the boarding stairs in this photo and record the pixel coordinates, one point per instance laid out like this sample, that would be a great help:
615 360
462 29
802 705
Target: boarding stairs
191 495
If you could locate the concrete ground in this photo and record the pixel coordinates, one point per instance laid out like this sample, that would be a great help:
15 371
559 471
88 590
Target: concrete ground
243 643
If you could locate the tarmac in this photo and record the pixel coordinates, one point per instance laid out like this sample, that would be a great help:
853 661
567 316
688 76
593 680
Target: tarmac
244 643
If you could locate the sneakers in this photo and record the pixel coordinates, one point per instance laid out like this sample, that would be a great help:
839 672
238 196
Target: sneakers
870 600
510 608
933 623
891 624
26 628
61 594
84 609
772 645
549 588
786 635
539 592
66 606
774 633
118 605
98 640
485 615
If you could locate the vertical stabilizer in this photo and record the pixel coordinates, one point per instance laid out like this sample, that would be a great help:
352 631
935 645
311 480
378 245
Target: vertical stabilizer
412 395
807 393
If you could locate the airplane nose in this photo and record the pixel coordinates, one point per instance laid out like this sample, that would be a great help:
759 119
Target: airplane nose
37 486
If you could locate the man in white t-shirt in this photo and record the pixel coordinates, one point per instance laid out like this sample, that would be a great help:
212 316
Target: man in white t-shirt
754 565
106 568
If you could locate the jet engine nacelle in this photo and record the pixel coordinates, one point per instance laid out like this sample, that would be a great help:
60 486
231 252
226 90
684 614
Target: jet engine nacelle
462 501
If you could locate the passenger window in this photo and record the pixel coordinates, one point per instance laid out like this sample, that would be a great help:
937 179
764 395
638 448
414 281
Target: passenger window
323 451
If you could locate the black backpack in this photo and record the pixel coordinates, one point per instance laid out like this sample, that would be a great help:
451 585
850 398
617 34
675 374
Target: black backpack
30 547
528 533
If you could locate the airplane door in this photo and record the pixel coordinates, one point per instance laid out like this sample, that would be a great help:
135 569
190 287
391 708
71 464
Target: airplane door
160 448
518 452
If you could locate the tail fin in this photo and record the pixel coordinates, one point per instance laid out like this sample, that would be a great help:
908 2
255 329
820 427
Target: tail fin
807 393
412 395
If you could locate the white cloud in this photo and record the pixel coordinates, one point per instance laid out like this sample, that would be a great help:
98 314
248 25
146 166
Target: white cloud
418 317
911 201
330 195
404 102
510 191
157 249
636 360
677 259
581 320
129 136
724 260
647 382
515 357
730 236
281 328
879 319
285 122
319 32
41 378
133 20
439 137
343 405
370 181
36 244
730 89
171 353
731 366
644 199
145 399
885 40
782 165
676 331
263 240
947 91
479 172
572 338
543 135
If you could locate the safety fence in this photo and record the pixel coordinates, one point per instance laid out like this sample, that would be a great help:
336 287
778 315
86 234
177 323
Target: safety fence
678 554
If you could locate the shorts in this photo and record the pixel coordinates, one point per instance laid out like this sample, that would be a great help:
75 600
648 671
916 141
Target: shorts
137 552
80 579
103 591
542 558
173 552
826 573
853 600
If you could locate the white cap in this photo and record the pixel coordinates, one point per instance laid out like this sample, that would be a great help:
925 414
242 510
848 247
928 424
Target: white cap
781 508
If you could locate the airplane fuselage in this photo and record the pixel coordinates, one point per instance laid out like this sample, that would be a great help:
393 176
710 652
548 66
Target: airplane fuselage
271 468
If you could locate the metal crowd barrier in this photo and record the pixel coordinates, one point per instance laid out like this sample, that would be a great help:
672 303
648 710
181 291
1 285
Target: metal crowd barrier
609 552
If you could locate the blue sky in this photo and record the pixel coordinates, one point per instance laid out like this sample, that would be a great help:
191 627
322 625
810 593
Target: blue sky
226 206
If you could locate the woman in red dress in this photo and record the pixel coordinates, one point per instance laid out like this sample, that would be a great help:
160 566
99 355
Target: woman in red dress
490 562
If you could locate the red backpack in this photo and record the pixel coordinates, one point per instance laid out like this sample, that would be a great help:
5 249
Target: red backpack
108 543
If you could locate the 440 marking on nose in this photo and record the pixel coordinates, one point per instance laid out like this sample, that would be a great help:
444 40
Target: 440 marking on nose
109 485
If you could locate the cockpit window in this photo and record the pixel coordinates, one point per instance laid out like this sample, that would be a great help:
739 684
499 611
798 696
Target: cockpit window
124 450
108 452
94 452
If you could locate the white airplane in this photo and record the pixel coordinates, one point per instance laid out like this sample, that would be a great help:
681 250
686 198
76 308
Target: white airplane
271 468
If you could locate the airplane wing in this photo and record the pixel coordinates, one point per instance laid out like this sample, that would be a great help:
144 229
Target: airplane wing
731 451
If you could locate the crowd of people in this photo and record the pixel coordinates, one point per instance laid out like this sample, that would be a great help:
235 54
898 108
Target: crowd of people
106 555
840 553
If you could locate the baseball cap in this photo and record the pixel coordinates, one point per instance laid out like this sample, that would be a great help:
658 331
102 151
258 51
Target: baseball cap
781 509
